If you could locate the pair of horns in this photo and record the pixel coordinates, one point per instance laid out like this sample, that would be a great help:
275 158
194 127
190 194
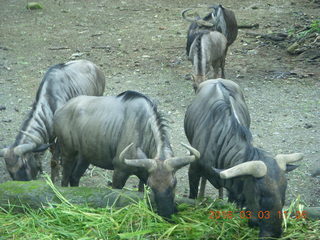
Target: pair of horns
170 164
198 20
258 168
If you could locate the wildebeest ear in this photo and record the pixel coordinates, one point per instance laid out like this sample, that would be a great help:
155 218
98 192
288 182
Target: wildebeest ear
141 154
42 148
290 167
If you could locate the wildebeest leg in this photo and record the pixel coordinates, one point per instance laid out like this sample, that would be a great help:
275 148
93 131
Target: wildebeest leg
223 63
222 68
202 187
68 163
194 178
80 168
221 193
38 160
212 180
215 67
55 161
119 179
141 186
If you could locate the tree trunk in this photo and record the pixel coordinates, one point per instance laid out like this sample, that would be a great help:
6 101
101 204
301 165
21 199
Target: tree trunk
37 194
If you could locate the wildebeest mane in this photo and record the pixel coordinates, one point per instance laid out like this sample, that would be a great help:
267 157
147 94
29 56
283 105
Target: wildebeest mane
160 119
227 133
130 95
30 115
46 76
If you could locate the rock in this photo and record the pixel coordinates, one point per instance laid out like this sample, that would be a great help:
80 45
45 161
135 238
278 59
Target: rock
37 194
292 48
308 125
76 55
2 108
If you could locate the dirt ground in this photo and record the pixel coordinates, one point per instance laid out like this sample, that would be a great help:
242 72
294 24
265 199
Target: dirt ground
140 45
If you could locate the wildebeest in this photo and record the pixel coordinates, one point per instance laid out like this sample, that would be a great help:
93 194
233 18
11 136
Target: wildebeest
220 19
60 83
216 125
207 51
124 133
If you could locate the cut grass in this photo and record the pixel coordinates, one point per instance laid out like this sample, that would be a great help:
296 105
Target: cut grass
138 221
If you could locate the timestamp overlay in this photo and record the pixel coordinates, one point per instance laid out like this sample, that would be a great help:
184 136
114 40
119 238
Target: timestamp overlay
216 214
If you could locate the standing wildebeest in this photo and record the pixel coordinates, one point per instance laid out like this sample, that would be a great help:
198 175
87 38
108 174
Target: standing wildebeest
220 19
216 125
60 83
207 50
107 131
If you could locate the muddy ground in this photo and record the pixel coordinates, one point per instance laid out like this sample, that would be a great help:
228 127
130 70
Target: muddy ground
140 45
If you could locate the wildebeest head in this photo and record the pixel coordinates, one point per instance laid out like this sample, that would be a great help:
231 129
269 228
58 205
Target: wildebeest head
263 184
20 160
161 176
220 19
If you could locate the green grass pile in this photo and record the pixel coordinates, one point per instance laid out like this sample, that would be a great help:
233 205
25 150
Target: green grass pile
138 221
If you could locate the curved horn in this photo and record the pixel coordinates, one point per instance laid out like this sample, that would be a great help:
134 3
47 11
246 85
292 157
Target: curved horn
24 148
185 17
148 164
194 151
197 20
255 168
179 162
36 139
284 159
3 152
204 23
121 156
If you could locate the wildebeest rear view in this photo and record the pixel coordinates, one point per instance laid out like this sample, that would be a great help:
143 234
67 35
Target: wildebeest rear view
208 39
216 125
207 52
221 19
125 133
60 83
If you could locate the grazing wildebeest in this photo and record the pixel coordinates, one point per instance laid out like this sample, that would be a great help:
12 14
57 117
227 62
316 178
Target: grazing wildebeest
216 124
60 83
220 19
207 51
124 133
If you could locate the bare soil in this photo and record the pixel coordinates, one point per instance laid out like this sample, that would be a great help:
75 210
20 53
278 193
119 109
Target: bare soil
140 45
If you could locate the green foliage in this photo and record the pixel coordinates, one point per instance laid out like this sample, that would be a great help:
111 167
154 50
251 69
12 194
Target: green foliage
313 28
138 221
205 220
33 5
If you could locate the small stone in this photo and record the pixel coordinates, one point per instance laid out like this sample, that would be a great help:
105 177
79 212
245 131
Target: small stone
293 48
308 125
